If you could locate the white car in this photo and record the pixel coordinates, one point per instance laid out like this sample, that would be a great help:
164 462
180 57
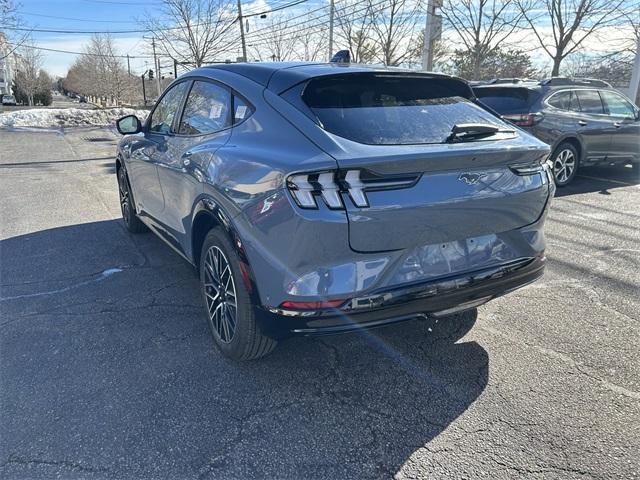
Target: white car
8 100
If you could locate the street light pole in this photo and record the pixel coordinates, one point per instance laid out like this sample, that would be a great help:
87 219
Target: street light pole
244 44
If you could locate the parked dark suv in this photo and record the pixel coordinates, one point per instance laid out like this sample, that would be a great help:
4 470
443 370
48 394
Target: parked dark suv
322 198
585 121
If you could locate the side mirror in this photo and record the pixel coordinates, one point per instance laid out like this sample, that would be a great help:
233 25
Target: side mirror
129 125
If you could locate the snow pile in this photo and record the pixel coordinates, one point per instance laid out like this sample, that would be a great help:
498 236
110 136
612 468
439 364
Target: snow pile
66 117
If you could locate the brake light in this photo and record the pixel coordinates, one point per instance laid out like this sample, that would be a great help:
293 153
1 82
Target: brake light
311 305
524 119
330 185
305 187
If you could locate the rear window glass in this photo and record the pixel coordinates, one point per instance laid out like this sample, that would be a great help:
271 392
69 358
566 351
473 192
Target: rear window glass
564 101
590 101
391 109
507 100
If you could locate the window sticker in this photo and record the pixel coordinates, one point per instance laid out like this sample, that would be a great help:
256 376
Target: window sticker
241 111
216 110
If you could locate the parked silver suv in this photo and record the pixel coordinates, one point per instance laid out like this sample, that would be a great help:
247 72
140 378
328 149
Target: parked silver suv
323 198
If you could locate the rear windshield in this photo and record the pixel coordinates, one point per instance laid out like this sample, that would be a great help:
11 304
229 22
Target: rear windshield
507 100
380 109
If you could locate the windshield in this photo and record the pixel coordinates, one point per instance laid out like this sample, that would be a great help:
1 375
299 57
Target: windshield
380 109
507 100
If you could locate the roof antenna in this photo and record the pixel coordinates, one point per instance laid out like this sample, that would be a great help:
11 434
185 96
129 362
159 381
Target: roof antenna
343 56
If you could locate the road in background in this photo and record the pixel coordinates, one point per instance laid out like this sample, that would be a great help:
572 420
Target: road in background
108 369
59 101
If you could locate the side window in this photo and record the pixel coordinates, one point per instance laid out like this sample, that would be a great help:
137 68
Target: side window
561 100
207 109
617 105
166 110
241 109
590 101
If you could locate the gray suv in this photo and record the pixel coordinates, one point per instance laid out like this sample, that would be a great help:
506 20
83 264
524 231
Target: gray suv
585 121
321 198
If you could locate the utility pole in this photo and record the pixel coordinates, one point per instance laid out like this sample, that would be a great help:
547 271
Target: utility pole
332 11
634 85
144 91
244 44
156 65
128 65
432 31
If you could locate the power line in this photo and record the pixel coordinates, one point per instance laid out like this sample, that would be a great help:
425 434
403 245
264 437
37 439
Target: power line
325 22
90 32
113 2
74 19
277 9
79 53
144 30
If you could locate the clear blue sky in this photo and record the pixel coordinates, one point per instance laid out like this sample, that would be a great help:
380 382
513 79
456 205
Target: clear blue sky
104 15
89 15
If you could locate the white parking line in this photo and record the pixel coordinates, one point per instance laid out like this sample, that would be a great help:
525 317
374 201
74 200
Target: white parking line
608 180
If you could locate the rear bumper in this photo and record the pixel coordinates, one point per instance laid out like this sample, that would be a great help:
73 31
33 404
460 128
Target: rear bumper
434 298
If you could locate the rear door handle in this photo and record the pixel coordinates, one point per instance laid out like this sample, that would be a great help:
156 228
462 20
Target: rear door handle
617 124
582 122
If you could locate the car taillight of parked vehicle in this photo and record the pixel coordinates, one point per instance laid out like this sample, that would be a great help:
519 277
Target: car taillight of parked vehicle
306 188
523 119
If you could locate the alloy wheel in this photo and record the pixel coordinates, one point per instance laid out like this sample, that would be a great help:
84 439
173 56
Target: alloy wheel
220 294
563 166
123 188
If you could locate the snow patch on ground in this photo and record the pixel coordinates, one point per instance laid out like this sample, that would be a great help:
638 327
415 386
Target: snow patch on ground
66 117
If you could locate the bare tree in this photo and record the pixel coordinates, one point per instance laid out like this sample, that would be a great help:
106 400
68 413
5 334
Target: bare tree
354 24
571 23
277 39
101 72
311 45
29 65
9 18
193 31
482 26
394 28
441 52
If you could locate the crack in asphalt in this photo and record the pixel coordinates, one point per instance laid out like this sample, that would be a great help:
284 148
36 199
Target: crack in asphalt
67 464
100 277
565 359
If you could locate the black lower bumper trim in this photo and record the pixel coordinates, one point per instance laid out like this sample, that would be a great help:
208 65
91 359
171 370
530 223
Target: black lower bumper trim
427 299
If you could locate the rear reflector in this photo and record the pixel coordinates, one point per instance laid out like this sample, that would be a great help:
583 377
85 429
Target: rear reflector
311 305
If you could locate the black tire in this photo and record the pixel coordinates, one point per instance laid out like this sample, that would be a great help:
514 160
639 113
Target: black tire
565 160
245 342
129 216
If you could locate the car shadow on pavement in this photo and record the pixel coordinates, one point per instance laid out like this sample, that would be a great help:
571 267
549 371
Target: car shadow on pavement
109 371
603 179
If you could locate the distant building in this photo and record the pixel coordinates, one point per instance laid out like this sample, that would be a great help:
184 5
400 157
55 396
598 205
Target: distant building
7 65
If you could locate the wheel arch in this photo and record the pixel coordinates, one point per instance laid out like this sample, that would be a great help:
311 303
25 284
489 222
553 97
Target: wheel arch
208 214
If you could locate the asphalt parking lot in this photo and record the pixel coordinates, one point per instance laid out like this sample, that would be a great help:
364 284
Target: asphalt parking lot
107 368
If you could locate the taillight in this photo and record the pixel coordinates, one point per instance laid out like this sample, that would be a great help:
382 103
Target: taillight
524 119
533 168
305 188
